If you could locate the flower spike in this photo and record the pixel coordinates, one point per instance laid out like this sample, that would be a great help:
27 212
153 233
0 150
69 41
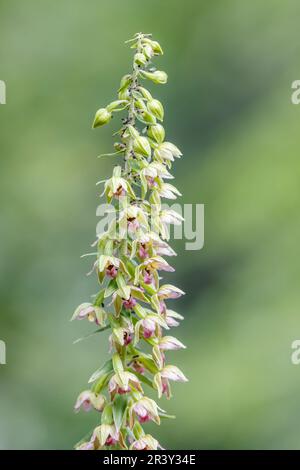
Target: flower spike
130 260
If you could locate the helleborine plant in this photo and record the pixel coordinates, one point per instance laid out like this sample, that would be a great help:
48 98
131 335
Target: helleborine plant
131 301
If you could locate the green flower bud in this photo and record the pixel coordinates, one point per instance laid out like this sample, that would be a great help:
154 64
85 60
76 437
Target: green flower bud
124 94
125 81
140 59
156 47
158 77
103 116
155 107
148 117
157 133
116 104
148 51
139 104
146 94
133 132
141 145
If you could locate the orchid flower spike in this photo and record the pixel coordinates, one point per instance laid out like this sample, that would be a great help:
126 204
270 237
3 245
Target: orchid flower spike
129 261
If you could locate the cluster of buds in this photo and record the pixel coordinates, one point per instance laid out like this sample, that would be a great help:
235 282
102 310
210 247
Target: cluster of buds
131 301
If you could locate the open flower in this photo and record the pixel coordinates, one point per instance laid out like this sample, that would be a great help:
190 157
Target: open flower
161 379
88 400
168 191
111 271
132 218
147 277
86 446
167 291
148 326
158 263
129 303
169 216
110 266
166 151
117 186
168 343
105 435
172 318
91 312
151 243
150 265
123 382
146 442
146 410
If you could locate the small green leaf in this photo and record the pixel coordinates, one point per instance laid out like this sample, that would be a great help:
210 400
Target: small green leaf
119 409
111 288
105 369
124 289
91 334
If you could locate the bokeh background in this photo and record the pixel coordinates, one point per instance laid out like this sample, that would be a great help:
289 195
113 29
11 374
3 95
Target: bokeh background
228 107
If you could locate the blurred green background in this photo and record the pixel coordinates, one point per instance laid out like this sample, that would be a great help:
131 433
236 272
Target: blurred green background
228 107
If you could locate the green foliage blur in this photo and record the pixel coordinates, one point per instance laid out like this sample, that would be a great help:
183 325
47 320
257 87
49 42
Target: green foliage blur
230 65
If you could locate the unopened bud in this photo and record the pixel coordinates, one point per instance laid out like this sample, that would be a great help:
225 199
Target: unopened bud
146 94
156 47
157 133
140 58
148 117
142 146
158 77
103 116
148 51
125 81
124 94
155 107
139 104
114 105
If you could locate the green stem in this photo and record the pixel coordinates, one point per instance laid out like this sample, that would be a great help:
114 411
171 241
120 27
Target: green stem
131 109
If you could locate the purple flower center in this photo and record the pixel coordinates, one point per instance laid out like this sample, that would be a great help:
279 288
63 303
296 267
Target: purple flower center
130 303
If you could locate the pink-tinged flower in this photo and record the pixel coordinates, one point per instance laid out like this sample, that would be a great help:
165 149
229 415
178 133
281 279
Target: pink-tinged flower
161 379
166 389
132 224
169 191
91 312
162 307
169 216
128 337
111 271
105 435
169 343
171 318
147 277
157 263
146 410
88 400
148 327
110 441
86 446
146 442
163 248
84 401
110 266
151 182
143 253
130 303
121 191
123 383
138 367
168 291
173 373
